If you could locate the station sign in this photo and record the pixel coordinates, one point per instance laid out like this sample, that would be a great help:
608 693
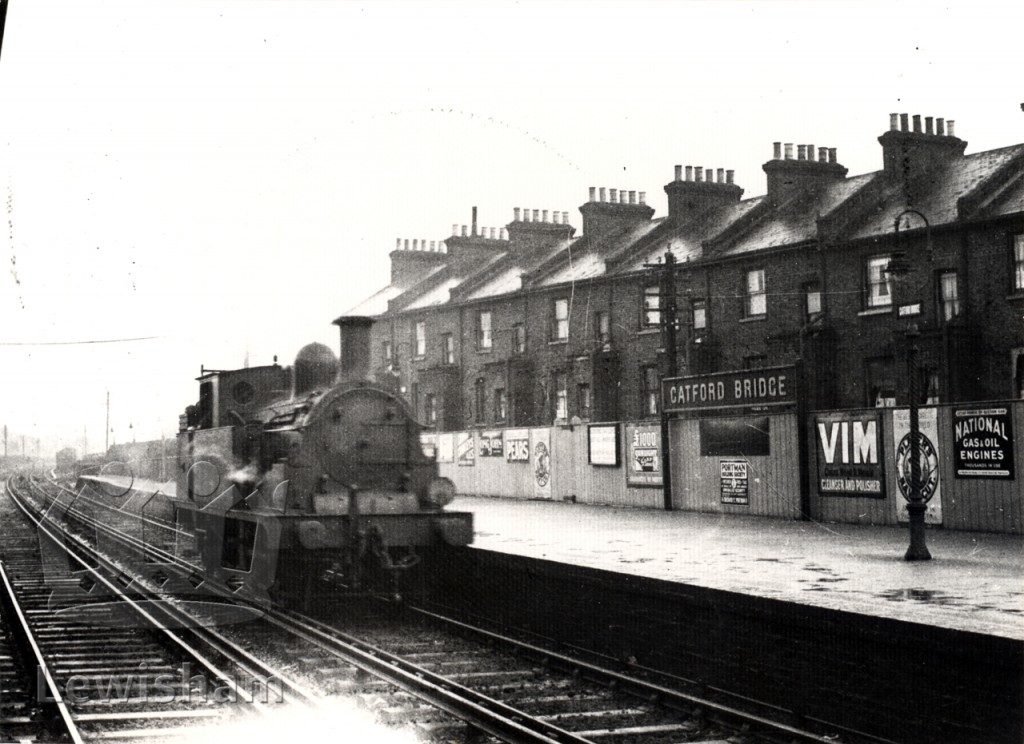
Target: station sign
752 389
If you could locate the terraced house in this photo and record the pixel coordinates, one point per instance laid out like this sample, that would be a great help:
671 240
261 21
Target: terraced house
538 322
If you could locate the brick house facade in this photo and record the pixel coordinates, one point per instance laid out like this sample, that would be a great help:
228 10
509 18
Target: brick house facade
534 323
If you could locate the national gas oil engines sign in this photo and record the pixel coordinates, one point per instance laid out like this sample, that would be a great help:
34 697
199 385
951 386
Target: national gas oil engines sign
849 447
983 443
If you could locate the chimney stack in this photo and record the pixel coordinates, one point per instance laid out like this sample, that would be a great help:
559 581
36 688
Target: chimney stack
788 177
696 194
911 151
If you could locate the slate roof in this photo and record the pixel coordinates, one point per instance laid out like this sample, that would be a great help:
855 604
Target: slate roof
990 183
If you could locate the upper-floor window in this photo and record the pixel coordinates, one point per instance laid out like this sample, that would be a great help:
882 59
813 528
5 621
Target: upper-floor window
755 297
652 306
699 315
518 339
1018 262
447 349
430 409
420 342
560 320
877 283
949 295
561 385
484 340
812 299
650 382
603 329
480 398
388 354
500 404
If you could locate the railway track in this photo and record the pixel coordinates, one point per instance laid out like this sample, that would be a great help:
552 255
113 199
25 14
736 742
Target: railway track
97 662
454 682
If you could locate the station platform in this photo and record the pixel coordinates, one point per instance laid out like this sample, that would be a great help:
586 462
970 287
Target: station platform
974 582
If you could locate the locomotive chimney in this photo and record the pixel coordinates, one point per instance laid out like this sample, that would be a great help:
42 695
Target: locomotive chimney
355 347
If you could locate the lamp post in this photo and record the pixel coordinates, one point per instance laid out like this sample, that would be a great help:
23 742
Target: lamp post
899 271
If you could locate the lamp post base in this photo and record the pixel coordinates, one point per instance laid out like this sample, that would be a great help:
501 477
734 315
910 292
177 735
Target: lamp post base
917 551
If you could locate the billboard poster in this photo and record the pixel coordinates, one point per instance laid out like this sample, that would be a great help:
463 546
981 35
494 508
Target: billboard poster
540 458
445 448
603 445
929 458
849 453
643 453
517 445
465 449
983 443
428 442
490 444
735 482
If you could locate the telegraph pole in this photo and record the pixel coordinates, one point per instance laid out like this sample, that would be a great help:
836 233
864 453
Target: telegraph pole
106 444
669 310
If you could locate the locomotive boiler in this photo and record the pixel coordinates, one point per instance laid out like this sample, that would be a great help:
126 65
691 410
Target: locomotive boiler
290 476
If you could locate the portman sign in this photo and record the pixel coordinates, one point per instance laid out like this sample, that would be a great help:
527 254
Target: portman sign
749 388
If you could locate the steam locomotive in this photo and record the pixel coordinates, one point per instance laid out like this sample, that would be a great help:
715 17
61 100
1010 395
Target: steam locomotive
286 476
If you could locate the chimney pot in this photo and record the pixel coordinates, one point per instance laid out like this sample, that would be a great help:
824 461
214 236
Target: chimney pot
832 155
474 222
504 234
465 231
544 216
515 214
698 173
632 197
643 197
565 218
593 193
789 150
894 122
407 244
601 192
433 245
689 173
928 125
536 215
822 154
398 244
949 127
801 152
729 174
776 151
917 123
415 244
904 122
555 217
614 195
940 126
810 152
721 175
679 173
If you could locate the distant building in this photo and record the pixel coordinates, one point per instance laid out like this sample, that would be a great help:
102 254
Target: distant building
534 323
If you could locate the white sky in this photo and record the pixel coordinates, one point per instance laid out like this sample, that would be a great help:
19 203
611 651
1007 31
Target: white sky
230 176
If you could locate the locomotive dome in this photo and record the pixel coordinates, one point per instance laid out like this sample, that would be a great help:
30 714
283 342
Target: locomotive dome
316 367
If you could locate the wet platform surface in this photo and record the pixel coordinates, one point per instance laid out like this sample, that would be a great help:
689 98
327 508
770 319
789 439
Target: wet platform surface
974 582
